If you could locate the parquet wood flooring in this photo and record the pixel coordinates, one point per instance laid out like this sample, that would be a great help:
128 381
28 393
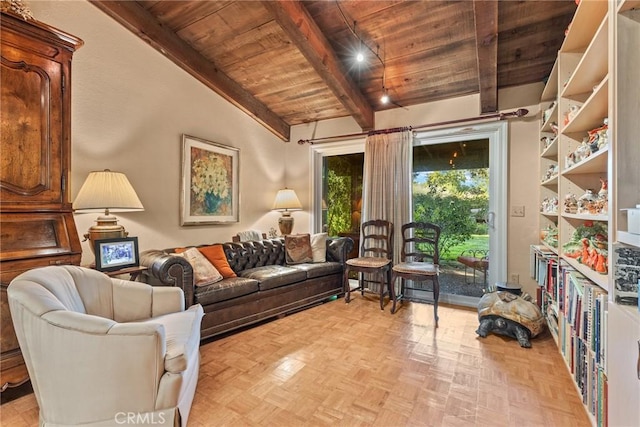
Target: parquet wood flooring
354 365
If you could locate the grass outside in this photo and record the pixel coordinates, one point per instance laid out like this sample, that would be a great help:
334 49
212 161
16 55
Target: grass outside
477 241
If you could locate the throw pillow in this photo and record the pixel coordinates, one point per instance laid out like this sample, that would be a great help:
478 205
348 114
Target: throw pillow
298 248
249 235
215 255
203 271
319 247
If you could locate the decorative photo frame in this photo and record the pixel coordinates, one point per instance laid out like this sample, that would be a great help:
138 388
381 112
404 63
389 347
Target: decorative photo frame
210 189
116 254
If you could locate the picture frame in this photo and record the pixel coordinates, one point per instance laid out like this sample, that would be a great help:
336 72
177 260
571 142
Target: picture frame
210 188
116 254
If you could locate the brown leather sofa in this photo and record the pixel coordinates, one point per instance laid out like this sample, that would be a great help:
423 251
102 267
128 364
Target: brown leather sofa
266 286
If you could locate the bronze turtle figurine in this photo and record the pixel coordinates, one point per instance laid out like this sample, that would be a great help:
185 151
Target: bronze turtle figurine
505 313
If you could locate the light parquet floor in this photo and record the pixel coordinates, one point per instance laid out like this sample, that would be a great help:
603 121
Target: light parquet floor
354 365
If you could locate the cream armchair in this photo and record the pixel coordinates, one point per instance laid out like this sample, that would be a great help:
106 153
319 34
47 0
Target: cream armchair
103 351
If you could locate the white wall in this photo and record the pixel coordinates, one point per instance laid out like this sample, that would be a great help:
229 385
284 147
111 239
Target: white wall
130 107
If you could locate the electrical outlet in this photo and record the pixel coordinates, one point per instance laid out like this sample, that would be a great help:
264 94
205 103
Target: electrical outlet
517 210
515 278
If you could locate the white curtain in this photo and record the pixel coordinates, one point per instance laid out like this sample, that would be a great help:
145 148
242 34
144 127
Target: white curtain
388 159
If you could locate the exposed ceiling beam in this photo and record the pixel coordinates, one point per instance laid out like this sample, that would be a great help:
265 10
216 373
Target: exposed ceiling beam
486 22
305 34
137 20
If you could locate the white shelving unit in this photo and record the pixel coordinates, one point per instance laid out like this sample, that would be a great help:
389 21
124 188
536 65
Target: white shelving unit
580 89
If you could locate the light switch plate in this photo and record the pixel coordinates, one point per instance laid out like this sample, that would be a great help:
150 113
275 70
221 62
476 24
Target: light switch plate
517 210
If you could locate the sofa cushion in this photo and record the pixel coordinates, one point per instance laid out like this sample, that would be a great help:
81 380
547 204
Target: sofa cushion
319 247
216 256
274 276
225 289
319 269
204 272
298 248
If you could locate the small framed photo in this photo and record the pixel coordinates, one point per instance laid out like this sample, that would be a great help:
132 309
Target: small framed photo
116 254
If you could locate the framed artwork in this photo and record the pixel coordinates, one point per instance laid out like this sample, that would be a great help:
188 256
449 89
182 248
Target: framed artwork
115 254
210 187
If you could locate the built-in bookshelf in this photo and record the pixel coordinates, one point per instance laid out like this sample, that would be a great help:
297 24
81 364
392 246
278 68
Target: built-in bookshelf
576 312
593 93
571 262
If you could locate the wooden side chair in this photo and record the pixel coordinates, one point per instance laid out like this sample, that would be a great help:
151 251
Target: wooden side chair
376 257
419 262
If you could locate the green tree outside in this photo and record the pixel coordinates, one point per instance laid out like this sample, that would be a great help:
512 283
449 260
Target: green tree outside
456 200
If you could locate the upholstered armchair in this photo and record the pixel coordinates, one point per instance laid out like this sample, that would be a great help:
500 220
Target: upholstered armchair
102 351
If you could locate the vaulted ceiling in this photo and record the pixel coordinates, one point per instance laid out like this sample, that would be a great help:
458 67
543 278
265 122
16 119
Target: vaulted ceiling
290 62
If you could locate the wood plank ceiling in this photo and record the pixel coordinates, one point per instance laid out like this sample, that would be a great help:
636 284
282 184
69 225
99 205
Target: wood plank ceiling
290 62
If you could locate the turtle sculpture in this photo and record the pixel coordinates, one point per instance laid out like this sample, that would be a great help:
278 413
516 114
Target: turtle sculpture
506 313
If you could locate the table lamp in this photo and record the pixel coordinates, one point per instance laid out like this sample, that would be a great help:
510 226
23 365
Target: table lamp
286 202
109 191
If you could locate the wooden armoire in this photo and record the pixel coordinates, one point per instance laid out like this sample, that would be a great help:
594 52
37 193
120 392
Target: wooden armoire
36 221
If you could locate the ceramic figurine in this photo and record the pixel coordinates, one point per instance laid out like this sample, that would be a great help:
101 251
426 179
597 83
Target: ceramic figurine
603 194
570 160
570 204
585 201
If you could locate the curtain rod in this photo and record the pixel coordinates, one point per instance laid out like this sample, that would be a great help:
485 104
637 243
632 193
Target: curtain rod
500 116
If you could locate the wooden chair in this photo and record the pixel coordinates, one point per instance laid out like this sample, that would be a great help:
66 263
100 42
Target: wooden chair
376 257
419 262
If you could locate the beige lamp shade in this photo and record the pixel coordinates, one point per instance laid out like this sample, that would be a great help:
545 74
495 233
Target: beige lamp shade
286 201
106 191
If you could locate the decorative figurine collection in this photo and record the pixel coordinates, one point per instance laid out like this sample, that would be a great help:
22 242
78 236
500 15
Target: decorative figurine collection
589 203
547 113
597 139
571 114
588 246
549 235
549 205
550 173
546 142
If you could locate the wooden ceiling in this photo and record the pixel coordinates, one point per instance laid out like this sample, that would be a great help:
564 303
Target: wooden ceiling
290 62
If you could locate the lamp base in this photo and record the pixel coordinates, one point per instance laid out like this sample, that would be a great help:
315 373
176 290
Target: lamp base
285 223
106 228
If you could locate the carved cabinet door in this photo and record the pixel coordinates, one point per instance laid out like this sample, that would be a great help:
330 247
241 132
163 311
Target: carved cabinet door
31 170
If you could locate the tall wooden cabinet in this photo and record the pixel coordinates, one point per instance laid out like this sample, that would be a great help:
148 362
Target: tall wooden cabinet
36 220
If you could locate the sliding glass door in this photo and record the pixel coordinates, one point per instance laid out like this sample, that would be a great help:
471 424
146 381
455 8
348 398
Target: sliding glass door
459 183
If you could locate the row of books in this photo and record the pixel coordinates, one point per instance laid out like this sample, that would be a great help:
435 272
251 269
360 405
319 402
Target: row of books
583 338
576 312
544 270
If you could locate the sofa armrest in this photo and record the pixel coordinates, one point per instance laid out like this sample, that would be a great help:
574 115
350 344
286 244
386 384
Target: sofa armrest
169 270
338 248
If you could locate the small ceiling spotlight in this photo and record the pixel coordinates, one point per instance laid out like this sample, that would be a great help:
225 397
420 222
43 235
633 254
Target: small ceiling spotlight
385 97
360 57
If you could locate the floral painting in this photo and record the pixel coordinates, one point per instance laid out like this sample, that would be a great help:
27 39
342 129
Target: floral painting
209 182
